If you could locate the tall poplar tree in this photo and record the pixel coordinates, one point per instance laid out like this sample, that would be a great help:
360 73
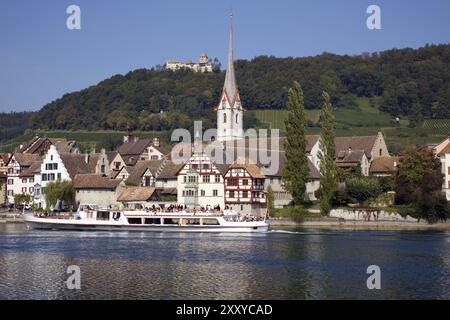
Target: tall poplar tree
326 155
296 170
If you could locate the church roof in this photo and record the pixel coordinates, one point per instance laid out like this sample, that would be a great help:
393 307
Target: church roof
230 86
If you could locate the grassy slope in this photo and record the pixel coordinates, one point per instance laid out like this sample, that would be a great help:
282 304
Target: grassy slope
365 120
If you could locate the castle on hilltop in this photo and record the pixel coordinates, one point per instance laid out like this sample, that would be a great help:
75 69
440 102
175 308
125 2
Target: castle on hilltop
203 65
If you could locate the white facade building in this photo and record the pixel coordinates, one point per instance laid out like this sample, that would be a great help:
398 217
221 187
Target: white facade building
61 167
200 183
446 166
15 184
203 65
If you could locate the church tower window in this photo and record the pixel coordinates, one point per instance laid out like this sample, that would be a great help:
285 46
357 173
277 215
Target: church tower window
224 118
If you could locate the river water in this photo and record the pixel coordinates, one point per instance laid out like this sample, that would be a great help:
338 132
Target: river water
279 264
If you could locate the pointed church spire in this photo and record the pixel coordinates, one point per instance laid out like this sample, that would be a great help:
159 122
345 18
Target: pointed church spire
230 87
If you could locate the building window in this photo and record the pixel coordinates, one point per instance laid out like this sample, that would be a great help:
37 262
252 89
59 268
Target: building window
217 178
244 194
154 158
215 193
10 181
184 179
31 180
206 179
232 182
245 182
10 193
236 118
231 193
59 176
224 118
202 193
31 189
24 190
24 180
192 179
103 168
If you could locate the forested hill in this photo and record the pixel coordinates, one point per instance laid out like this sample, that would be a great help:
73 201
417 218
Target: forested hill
411 82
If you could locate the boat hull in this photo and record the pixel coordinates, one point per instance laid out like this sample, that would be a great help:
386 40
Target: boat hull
55 224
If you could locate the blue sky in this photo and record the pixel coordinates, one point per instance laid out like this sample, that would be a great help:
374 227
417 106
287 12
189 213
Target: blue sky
41 60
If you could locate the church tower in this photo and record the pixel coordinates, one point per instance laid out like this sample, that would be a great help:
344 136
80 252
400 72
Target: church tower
229 110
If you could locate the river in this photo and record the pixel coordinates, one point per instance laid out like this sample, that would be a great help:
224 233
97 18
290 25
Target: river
280 264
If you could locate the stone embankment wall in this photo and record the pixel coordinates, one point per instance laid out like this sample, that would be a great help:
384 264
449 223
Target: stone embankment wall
368 215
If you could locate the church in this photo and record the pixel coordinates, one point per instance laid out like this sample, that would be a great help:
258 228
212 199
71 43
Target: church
230 111
203 182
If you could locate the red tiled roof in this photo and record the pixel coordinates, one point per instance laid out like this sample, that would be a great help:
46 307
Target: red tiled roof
75 164
137 194
94 181
135 147
385 164
365 143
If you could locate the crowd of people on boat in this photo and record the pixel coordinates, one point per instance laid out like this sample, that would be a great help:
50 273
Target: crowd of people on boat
203 210
184 208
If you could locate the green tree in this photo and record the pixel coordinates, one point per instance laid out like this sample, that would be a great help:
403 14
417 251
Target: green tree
328 173
419 186
59 190
22 198
296 171
270 200
363 188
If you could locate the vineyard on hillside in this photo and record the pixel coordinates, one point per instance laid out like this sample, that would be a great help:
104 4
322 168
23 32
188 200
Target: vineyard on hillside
438 126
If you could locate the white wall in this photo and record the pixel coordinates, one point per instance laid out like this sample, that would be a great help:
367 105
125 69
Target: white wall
446 170
102 197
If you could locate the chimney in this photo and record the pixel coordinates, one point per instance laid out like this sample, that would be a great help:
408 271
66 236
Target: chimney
86 157
395 164
156 141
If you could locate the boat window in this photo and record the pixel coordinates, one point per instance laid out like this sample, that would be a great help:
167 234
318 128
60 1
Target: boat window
152 221
135 220
193 221
210 222
103 215
171 220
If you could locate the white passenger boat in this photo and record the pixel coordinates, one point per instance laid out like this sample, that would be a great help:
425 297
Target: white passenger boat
90 217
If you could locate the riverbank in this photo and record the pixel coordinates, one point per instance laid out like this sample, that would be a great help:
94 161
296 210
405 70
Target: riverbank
8 217
325 222
331 223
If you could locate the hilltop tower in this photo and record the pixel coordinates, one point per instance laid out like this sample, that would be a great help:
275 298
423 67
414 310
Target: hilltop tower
230 111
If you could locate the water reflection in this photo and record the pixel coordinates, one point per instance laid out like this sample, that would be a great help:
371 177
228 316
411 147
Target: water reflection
301 264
